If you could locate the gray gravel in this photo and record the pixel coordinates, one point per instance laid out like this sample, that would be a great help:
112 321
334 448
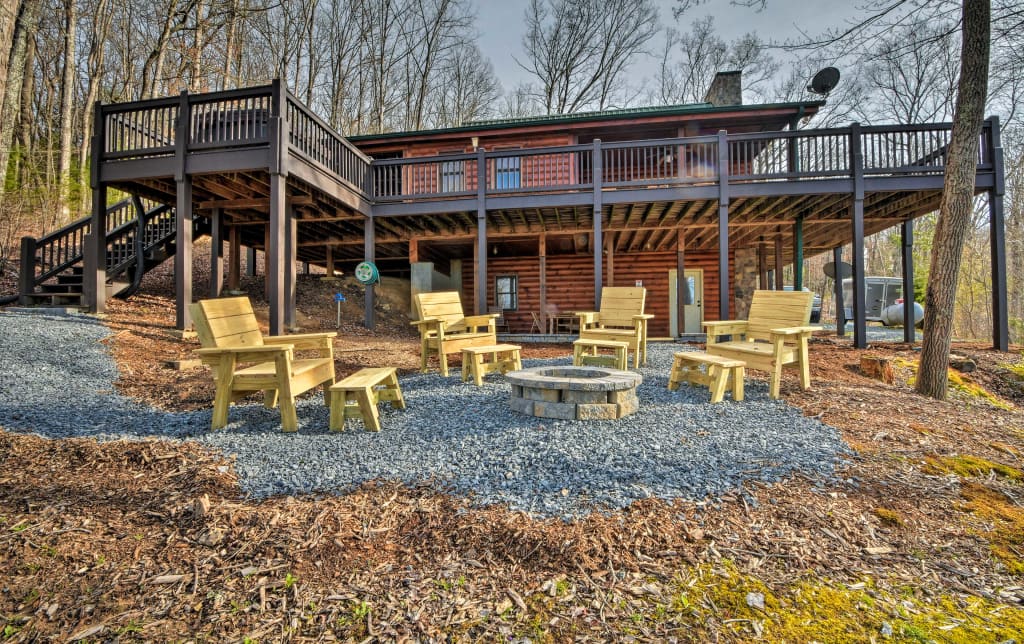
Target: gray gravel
56 381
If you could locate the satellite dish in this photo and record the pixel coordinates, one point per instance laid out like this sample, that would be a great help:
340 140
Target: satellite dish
824 81
845 270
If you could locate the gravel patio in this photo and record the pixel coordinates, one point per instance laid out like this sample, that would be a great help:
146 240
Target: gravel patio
58 380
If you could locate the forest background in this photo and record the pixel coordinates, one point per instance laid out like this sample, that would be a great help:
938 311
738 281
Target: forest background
371 66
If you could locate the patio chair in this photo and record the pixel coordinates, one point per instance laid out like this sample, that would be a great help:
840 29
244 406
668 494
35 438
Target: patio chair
243 360
444 329
621 319
773 336
537 324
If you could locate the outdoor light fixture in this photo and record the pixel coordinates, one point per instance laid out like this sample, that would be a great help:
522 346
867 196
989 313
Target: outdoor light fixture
475 141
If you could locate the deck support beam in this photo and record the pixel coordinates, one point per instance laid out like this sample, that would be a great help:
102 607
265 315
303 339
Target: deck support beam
274 256
183 255
290 268
609 243
762 266
724 289
682 293
860 337
216 253
597 164
480 279
798 253
250 261
542 256
234 259
997 243
779 281
907 260
94 253
837 288
369 255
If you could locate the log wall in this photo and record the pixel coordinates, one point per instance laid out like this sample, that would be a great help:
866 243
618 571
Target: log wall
570 284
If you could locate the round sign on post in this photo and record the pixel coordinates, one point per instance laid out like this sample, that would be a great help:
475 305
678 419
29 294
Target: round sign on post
366 273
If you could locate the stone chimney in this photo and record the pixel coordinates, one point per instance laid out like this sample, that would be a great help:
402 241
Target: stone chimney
726 89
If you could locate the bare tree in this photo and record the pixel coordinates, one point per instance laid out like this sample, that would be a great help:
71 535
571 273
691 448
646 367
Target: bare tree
580 50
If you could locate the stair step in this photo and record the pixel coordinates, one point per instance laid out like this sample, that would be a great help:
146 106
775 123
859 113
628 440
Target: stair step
70 279
61 288
56 298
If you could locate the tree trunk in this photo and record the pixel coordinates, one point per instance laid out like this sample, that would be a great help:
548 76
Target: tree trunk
25 27
9 12
67 92
26 135
101 25
957 200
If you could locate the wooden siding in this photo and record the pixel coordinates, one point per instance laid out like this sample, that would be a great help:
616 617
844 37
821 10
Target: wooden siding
570 284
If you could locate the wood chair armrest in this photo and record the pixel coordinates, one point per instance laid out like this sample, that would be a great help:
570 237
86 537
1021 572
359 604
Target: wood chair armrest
588 318
427 321
644 316
486 319
724 327
245 354
303 341
795 330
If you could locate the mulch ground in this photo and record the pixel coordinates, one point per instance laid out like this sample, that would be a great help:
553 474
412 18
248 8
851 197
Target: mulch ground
152 540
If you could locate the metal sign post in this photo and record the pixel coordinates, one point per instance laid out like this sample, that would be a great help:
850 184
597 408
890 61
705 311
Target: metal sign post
339 298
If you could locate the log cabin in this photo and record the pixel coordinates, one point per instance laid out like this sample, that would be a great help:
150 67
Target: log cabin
701 203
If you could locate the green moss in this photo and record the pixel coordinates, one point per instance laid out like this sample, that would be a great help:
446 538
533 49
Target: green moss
889 517
1006 538
960 383
965 465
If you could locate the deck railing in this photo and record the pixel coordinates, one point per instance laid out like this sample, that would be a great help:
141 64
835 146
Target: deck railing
240 118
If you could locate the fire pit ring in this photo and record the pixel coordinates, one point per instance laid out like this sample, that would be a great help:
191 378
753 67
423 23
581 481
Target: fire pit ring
574 393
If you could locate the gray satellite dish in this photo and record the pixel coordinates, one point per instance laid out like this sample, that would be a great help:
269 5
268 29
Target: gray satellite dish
845 270
824 81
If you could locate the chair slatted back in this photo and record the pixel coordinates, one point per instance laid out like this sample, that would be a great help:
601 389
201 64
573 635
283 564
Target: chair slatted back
620 303
777 309
445 305
226 322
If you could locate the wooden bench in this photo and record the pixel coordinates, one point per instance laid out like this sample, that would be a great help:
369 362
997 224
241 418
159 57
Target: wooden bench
621 319
773 336
586 352
444 329
357 396
687 367
504 358
243 360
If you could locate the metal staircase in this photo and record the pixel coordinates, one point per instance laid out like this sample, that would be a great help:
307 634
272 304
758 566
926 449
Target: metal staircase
140 235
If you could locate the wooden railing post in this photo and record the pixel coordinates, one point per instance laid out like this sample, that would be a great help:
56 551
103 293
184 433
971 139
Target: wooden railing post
27 274
723 225
907 260
598 180
481 231
837 287
997 241
860 339
183 218
94 276
276 247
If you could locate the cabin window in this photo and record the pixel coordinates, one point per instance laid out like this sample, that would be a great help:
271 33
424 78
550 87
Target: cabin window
506 173
506 292
453 176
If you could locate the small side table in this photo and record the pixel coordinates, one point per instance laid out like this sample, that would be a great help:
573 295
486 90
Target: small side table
586 352
503 358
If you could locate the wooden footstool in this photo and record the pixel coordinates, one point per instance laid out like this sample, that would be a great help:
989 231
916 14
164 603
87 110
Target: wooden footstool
504 358
357 396
586 352
687 368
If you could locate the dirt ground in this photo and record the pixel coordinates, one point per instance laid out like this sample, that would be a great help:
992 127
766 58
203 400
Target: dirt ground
921 538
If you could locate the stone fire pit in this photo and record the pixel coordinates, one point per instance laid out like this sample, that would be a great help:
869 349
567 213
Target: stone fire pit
574 393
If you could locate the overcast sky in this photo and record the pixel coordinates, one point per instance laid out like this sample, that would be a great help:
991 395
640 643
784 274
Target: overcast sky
501 27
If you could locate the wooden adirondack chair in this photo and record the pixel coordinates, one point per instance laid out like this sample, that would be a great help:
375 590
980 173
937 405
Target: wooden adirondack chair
774 335
621 319
243 360
444 329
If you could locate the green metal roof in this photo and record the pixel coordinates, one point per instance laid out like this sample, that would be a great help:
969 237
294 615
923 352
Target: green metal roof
582 117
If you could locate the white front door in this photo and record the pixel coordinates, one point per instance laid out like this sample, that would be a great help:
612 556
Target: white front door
693 312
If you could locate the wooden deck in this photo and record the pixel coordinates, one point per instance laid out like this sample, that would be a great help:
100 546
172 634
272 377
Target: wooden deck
262 164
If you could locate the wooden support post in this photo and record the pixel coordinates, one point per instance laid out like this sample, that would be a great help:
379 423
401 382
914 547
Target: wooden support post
369 255
234 259
216 252
266 261
414 250
610 250
597 165
94 284
762 266
837 260
330 261
779 281
542 254
724 288
997 242
798 253
682 292
250 261
907 257
290 268
183 256
480 279
860 334
184 215
27 270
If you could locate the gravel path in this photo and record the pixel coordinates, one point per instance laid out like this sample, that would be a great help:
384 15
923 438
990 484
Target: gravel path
57 381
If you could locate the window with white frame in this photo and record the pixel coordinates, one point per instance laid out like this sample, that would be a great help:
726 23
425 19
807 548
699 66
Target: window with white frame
506 292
